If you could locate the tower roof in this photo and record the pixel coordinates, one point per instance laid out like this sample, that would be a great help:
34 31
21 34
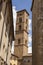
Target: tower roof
23 10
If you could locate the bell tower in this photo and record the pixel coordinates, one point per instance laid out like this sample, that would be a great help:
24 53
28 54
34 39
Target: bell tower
21 36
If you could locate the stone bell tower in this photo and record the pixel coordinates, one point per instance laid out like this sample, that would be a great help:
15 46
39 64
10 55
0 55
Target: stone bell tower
37 29
21 36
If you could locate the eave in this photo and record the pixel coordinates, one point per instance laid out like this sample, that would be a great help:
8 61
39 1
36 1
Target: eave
32 5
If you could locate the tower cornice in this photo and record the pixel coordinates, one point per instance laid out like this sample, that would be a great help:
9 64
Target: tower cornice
21 45
22 11
17 32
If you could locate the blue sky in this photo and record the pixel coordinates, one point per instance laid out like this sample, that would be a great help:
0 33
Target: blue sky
23 4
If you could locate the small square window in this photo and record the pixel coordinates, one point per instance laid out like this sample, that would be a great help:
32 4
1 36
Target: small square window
0 5
10 64
3 46
13 64
1 63
18 41
25 41
0 43
26 21
0 16
20 19
28 60
19 27
26 27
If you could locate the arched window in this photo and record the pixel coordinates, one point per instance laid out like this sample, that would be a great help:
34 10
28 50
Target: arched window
19 27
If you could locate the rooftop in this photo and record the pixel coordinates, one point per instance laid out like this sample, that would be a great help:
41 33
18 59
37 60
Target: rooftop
23 10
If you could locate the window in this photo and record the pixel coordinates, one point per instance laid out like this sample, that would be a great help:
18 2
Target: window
0 43
0 15
1 63
26 27
14 64
19 27
10 64
5 33
0 5
25 41
3 46
28 60
25 60
26 21
20 19
18 41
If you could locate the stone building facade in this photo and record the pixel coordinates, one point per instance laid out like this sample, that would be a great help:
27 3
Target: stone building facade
6 31
37 29
21 55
